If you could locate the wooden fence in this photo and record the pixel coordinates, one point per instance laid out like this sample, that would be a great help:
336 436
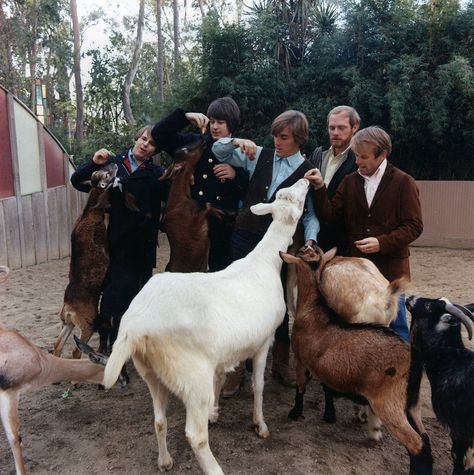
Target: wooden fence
38 206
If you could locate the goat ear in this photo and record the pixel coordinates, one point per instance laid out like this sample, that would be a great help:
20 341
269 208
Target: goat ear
289 258
262 208
330 254
171 171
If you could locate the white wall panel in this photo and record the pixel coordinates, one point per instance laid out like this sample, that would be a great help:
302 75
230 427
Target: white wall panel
28 150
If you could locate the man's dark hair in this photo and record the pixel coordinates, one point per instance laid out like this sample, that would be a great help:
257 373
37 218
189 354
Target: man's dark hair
225 108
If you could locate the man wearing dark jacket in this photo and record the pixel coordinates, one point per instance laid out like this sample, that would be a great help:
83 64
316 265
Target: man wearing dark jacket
216 183
335 162
380 208
132 233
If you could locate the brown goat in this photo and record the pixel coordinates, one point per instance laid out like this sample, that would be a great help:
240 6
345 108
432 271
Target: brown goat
185 222
363 359
89 261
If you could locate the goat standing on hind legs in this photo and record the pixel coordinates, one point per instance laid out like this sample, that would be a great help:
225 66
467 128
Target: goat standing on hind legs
186 223
216 184
185 330
89 261
132 233
363 359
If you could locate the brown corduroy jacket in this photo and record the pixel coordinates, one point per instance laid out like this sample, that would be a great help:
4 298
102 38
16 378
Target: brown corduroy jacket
394 217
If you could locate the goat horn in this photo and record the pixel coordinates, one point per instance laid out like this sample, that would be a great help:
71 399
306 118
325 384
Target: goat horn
465 310
457 313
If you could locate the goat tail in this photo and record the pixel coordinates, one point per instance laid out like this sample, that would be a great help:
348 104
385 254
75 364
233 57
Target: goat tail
121 352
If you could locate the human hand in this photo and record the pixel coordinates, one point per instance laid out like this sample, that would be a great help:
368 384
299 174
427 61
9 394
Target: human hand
246 146
315 178
101 156
368 245
198 119
224 172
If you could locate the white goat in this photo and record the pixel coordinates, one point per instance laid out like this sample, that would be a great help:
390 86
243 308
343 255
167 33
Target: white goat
184 331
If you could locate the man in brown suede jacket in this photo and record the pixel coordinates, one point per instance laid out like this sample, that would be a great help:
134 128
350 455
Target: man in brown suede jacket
380 208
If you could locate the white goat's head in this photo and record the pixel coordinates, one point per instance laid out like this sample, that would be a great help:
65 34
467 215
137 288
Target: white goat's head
288 205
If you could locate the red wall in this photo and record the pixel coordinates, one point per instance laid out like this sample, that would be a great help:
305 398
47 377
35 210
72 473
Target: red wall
6 170
54 157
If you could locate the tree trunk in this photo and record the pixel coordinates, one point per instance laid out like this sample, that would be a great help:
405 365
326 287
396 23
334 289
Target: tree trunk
6 61
77 74
133 66
159 64
33 55
201 7
176 35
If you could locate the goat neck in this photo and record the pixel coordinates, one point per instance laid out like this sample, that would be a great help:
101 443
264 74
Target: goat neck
181 186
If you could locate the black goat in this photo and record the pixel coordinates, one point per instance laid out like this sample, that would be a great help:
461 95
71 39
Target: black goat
437 343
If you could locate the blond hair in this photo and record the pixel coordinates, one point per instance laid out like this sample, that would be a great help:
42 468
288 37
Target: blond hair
354 117
374 135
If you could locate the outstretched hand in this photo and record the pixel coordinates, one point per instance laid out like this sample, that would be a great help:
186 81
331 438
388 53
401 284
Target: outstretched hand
246 146
315 178
198 119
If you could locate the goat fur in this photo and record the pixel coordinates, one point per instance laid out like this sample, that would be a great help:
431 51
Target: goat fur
365 359
88 266
185 222
184 331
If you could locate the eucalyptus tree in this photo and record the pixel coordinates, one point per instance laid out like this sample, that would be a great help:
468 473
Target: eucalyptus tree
133 66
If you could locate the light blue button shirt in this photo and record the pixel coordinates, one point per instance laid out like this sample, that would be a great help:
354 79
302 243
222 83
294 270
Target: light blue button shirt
133 161
225 151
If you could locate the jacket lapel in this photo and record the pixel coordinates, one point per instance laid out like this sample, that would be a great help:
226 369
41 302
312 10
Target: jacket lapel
383 183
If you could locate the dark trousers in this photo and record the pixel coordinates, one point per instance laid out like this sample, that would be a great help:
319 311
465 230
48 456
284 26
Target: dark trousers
242 243
220 234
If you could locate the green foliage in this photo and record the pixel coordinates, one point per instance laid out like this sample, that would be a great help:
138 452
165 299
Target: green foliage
403 64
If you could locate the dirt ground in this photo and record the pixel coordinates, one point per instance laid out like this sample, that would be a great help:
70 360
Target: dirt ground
85 431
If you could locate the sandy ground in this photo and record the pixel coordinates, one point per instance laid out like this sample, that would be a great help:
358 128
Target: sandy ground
85 431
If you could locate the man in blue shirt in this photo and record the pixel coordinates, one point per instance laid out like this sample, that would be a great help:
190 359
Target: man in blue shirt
269 170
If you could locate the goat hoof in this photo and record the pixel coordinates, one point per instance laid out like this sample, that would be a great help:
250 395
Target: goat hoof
375 436
262 431
166 464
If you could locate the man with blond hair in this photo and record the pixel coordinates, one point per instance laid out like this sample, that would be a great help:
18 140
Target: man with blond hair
269 170
380 208
335 161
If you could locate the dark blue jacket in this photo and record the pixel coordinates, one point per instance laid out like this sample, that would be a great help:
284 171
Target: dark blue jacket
207 187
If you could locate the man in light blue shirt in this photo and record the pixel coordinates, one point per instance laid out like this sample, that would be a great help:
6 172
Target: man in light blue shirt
270 170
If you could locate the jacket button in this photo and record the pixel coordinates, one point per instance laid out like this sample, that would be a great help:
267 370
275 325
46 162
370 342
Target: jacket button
266 187
204 176
218 198
200 193
210 160
367 230
369 215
